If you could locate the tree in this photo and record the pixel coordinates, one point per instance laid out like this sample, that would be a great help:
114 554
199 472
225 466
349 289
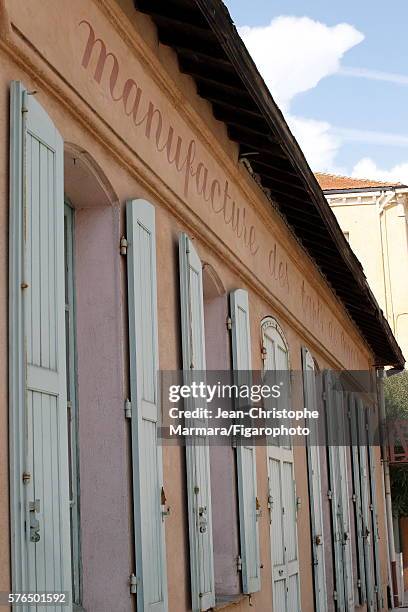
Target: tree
396 406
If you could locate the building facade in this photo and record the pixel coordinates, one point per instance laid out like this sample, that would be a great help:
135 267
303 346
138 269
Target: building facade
374 217
157 214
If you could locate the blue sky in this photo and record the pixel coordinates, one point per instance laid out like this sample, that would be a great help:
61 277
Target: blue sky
339 71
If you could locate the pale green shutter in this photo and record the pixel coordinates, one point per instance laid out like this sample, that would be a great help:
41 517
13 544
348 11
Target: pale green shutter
374 512
150 551
197 451
41 559
338 477
365 505
357 496
315 485
246 454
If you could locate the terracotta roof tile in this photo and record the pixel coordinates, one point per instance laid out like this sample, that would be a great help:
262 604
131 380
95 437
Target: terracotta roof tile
332 181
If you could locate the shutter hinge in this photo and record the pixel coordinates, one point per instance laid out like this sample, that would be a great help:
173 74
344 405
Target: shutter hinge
133 583
239 564
329 494
324 396
24 104
128 409
26 477
123 246
335 595
264 353
354 497
359 583
229 323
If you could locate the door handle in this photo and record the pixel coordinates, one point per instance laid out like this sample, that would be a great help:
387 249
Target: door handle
34 508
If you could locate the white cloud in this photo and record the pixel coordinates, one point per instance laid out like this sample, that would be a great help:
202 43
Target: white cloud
371 137
294 53
367 168
374 75
318 143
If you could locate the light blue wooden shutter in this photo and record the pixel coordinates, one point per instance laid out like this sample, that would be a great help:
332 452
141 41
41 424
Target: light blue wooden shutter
41 559
197 451
315 485
335 488
374 512
246 455
338 475
365 505
357 496
146 452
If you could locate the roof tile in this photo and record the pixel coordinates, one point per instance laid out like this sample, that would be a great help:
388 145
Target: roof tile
333 181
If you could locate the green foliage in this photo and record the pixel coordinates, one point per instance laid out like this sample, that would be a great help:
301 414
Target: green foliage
396 406
396 395
399 490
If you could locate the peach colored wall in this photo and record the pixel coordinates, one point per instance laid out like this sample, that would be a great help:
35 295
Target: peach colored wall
86 116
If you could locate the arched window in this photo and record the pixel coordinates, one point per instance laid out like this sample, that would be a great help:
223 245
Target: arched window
275 349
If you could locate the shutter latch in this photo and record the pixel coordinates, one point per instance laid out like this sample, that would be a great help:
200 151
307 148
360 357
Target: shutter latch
229 323
123 246
239 564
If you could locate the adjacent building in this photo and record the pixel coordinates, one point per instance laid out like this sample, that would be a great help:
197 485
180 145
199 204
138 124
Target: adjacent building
157 214
373 216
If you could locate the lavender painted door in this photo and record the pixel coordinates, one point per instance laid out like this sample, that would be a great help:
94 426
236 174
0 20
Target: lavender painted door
41 558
